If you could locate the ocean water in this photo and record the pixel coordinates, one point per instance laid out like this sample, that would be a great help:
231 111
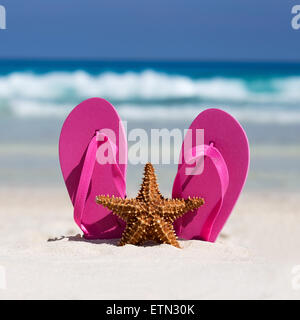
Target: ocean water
253 92
36 96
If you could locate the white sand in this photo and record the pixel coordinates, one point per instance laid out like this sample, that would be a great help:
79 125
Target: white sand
252 259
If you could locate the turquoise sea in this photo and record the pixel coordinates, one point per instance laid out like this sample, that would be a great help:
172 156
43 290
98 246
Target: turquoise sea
36 96
254 92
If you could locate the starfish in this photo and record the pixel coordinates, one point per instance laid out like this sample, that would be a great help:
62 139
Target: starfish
149 216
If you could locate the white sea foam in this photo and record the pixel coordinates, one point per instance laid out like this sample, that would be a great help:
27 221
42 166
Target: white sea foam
145 85
151 95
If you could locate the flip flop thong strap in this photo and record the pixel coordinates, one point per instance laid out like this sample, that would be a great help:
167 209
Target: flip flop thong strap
216 157
87 173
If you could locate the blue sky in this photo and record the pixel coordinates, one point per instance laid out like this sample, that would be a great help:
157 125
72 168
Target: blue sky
150 29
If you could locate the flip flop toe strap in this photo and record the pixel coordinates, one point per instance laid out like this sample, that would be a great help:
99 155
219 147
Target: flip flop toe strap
197 156
87 173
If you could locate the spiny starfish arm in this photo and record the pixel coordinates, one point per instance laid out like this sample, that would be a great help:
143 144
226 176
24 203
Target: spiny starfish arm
124 208
175 208
164 233
134 233
193 203
149 189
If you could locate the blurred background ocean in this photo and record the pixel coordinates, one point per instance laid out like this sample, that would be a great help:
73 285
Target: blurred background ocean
36 96
160 64
253 92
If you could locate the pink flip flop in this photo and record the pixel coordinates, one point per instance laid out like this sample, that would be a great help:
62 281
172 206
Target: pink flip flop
225 153
92 125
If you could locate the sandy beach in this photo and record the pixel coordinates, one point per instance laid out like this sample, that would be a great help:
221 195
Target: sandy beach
45 257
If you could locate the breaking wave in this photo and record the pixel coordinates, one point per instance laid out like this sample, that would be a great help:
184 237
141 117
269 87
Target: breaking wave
151 95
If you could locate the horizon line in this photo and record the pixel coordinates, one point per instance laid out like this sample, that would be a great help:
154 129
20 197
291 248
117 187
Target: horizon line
151 60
